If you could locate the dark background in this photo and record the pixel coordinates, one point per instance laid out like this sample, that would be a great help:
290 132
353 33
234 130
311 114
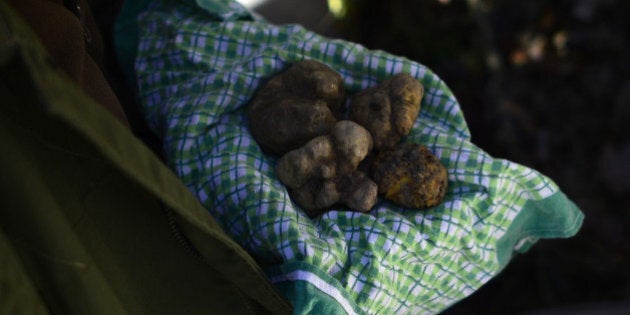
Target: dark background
542 83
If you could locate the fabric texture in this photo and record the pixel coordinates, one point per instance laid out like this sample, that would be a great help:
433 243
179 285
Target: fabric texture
92 222
197 65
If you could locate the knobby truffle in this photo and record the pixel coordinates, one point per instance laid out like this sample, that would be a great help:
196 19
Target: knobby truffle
389 109
324 171
410 175
296 106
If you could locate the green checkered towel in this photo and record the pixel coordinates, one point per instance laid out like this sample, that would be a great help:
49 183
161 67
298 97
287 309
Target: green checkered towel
198 63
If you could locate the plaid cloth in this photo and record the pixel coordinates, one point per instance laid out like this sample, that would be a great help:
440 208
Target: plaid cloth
197 65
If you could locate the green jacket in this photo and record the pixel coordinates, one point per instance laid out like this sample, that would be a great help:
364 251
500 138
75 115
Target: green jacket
91 221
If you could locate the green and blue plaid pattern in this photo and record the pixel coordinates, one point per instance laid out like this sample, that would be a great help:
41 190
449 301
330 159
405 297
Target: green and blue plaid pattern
198 64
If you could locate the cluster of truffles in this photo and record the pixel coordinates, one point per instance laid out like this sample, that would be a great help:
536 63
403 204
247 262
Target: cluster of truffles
328 159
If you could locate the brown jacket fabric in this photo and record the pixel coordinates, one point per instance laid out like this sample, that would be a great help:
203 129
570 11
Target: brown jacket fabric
69 33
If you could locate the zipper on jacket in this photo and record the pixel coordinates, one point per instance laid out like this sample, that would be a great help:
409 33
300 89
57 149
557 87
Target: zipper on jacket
177 234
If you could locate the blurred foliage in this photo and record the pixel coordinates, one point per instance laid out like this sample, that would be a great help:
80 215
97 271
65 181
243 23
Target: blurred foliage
545 84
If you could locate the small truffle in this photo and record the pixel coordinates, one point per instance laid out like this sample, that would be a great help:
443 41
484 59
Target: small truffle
410 175
388 110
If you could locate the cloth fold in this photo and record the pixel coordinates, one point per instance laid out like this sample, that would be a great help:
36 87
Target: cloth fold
197 68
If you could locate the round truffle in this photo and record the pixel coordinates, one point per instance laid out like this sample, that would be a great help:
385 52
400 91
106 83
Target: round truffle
410 175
